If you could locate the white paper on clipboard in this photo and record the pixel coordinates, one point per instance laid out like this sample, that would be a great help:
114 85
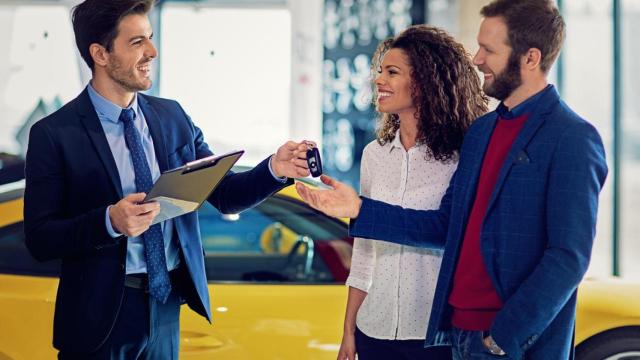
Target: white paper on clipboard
170 208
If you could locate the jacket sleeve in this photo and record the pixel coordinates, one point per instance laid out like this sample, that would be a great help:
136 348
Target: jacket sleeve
238 191
48 233
578 171
419 228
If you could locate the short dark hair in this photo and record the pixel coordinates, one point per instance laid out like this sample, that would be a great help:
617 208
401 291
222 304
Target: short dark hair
445 89
96 21
531 24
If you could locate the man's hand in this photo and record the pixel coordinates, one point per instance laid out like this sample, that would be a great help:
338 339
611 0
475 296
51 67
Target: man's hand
291 160
492 347
339 201
130 218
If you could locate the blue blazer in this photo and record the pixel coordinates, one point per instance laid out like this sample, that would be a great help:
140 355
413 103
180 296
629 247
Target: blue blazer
71 178
537 234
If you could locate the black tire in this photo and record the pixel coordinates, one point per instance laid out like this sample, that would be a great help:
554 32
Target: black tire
617 344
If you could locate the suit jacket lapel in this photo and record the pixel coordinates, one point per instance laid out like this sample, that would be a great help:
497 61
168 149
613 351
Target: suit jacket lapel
89 119
484 135
155 128
529 129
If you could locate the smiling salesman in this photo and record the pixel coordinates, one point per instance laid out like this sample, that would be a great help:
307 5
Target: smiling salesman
89 165
518 219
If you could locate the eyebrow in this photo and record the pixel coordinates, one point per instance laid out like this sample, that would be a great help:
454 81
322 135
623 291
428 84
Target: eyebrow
140 37
392 66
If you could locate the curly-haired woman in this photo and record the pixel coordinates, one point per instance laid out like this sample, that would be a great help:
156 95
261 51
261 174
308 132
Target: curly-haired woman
427 93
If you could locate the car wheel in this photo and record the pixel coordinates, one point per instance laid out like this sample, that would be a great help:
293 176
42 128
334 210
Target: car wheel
616 344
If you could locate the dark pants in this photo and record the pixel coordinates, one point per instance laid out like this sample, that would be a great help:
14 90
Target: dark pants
369 348
144 329
468 345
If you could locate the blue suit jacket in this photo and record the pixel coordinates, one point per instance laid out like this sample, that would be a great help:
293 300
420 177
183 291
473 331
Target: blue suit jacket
537 234
71 178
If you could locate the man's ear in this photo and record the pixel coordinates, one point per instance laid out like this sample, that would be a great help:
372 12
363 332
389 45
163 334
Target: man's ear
532 58
99 54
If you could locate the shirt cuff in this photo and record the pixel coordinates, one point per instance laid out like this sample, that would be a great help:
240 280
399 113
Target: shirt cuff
357 283
108 225
280 179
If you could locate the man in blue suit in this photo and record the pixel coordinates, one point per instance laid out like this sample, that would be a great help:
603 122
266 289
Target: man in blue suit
88 168
517 222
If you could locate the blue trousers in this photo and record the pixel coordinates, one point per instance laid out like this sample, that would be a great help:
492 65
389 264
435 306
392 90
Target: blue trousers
144 329
369 348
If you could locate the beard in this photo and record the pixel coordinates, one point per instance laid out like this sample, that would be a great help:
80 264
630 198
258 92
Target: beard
505 82
127 77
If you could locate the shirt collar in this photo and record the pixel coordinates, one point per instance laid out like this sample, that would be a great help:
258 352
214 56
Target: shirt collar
396 143
524 107
105 108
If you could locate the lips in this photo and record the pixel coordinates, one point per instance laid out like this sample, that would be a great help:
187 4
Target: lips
383 94
144 68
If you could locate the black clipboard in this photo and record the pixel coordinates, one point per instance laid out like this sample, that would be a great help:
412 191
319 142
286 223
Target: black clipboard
183 190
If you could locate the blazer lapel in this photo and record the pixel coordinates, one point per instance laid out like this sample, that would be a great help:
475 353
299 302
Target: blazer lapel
89 119
484 135
155 128
529 129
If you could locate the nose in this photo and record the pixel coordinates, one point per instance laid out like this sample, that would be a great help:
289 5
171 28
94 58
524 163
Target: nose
478 58
151 50
379 79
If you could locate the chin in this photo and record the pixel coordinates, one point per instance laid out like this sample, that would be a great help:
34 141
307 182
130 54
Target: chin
385 108
144 85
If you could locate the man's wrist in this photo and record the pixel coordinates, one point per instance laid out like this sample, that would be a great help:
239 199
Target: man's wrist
111 229
273 171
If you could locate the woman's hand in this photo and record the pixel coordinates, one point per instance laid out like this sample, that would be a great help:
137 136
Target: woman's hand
347 347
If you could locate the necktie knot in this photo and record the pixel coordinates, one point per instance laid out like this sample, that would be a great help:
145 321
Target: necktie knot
127 115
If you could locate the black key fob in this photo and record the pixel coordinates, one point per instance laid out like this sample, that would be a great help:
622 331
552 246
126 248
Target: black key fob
314 162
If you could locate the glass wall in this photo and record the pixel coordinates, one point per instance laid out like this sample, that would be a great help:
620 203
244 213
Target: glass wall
230 70
38 69
352 31
630 149
587 89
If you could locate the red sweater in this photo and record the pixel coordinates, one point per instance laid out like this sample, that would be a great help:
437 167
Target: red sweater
473 297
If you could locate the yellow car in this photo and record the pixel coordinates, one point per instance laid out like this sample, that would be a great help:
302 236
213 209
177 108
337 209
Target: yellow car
276 275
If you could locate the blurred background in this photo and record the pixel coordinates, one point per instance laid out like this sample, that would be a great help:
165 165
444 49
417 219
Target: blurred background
254 73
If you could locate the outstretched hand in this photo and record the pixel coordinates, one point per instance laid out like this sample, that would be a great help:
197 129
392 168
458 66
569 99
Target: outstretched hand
339 201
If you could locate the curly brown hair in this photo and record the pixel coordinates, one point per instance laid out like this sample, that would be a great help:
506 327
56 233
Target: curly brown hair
445 89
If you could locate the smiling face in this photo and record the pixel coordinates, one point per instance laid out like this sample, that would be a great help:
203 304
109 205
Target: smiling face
128 64
495 59
393 84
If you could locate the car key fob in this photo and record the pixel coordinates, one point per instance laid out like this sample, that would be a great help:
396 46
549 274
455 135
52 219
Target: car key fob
314 162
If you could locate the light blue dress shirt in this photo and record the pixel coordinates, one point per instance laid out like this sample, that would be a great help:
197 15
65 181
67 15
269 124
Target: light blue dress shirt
109 113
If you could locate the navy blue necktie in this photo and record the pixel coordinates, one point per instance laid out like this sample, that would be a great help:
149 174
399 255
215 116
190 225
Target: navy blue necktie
159 283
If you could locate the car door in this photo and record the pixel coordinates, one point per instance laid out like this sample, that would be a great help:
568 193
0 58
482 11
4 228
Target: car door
276 275
27 298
